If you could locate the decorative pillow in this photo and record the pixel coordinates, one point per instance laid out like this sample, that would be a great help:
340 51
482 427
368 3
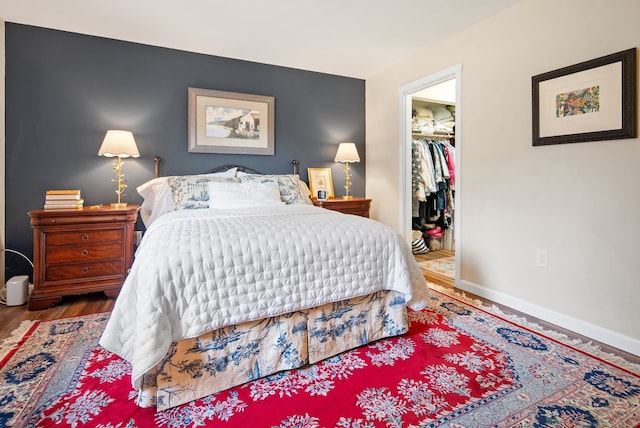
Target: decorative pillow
192 191
237 195
157 197
288 184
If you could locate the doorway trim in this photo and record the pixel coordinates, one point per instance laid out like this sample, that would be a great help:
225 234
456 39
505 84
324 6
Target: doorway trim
405 94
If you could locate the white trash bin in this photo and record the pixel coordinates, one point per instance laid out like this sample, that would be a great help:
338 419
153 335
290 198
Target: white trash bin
17 290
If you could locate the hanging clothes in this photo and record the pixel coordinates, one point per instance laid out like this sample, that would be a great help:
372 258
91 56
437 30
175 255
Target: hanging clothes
432 179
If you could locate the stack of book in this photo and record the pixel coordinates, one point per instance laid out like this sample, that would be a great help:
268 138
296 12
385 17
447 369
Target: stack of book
63 199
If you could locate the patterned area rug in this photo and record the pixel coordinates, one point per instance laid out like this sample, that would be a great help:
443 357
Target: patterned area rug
445 266
460 365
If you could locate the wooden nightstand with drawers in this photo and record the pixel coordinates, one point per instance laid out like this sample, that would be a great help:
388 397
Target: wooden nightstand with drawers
80 251
356 206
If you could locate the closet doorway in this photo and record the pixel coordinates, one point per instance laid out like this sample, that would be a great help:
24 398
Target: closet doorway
431 129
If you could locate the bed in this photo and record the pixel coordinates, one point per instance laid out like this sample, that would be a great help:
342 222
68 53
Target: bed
239 276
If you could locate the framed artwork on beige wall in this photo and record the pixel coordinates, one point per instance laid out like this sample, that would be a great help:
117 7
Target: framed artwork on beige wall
590 101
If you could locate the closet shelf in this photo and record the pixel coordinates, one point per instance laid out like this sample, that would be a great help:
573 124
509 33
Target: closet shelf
445 136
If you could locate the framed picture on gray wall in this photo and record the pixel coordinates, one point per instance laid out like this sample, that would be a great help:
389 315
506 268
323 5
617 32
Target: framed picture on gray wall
230 122
591 101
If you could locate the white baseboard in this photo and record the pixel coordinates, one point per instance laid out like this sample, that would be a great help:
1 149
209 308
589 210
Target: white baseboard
592 331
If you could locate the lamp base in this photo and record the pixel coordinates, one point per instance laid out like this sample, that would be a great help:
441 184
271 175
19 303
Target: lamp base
119 205
347 197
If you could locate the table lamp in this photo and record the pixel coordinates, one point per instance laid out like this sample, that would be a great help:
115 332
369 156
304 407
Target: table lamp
347 152
119 144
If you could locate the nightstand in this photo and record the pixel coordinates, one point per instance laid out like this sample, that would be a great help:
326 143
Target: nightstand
80 251
355 206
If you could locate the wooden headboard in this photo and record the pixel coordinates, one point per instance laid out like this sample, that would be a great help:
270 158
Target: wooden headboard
157 160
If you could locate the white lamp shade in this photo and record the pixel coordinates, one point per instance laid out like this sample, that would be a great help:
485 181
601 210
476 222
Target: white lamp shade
347 152
120 144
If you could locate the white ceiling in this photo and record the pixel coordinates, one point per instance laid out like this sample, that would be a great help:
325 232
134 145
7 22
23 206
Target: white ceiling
355 38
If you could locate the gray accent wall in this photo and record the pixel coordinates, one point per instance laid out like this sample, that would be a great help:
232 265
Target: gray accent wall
65 90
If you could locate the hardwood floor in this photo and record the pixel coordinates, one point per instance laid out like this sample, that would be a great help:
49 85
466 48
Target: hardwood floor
11 316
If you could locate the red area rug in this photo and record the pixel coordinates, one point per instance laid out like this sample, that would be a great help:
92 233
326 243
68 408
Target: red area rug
460 365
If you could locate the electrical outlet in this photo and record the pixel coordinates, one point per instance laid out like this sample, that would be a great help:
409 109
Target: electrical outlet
138 234
541 258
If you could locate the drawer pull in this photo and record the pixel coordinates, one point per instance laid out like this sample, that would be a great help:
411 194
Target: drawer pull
85 252
53 220
85 269
85 237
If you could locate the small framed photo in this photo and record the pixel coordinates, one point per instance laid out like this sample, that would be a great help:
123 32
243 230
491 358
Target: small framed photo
230 122
591 101
320 179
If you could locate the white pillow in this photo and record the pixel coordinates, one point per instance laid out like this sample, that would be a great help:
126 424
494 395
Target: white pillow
231 172
305 193
241 195
246 203
158 199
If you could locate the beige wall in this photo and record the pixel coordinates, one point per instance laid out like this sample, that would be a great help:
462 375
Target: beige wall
2 167
580 202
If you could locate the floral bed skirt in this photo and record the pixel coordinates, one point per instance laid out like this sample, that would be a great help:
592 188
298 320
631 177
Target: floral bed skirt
230 356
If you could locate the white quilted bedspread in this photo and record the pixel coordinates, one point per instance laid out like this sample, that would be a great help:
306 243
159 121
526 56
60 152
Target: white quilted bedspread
198 270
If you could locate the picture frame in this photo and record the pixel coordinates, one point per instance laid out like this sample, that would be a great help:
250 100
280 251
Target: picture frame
591 101
318 178
230 122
